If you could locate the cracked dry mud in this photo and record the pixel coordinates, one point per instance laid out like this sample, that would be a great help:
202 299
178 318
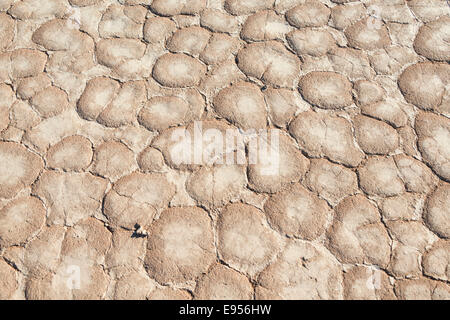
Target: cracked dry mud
94 205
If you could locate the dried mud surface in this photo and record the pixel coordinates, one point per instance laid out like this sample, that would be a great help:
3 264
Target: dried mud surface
93 205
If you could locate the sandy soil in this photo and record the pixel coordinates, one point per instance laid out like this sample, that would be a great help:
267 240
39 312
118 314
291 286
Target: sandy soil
98 201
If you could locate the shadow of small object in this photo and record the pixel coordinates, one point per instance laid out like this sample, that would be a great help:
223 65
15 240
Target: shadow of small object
139 232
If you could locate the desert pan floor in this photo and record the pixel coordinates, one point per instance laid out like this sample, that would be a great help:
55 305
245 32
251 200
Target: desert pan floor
98 201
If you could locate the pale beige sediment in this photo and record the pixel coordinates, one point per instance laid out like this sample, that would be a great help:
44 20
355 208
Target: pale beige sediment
366 283
297 212
113 160
352 203
310 14
20 220
375 137
302 271
433 135
245 240
357 234
9 282
181 245
242 104
19 169
331 181
70 197
326 90
222 283
136 198
71 153
277 167
322 135
269 62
